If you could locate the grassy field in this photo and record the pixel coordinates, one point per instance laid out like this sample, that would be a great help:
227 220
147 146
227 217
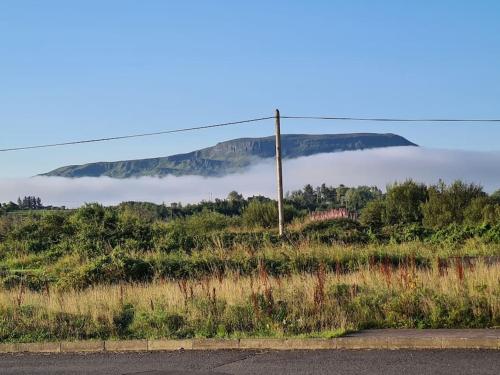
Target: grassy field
219 269
41 271
230 305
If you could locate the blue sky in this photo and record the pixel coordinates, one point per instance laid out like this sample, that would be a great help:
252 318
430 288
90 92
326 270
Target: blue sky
71 70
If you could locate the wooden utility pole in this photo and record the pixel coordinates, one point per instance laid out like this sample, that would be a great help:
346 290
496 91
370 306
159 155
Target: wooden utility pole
279 175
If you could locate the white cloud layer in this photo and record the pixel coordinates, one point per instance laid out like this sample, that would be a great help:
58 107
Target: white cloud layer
371 167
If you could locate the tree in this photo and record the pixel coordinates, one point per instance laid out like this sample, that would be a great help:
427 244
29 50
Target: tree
306 198
473 214
373 214
357 198
310 197
29 203
403 203
328 196
482 210
447 204
234 196
340 192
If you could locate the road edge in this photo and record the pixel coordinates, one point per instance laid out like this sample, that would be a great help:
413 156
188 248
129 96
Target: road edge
341 343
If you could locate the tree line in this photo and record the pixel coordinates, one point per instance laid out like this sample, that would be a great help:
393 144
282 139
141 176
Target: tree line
434 207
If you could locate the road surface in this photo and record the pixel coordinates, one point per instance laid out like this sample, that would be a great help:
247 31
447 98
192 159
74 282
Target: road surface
344 362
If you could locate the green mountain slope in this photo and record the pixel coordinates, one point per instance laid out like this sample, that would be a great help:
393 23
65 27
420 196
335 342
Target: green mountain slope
232 156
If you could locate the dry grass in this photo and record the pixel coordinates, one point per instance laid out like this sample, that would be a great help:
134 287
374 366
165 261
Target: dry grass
105 300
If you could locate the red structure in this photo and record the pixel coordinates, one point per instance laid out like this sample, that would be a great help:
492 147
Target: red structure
335 213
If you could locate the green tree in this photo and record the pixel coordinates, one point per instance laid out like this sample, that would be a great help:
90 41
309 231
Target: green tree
482 210
372 215
474 212
310 197
328 196
403 203
234 196
340 192
357 198
447 204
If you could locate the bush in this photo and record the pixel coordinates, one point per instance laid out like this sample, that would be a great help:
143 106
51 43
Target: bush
108 269
406 233
39 233
33 281
338 230
97 230
492 235
260 214
206 222
453 234
447 204
160 323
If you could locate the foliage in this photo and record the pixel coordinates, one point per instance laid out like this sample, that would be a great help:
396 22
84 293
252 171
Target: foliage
403 203
447 204
326 197
335 231
260 214
137 242
372 216
30 203
315 304
396 267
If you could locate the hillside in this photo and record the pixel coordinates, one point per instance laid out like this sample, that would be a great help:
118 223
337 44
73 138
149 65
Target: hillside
232 156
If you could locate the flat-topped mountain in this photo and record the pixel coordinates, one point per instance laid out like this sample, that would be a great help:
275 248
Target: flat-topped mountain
232 156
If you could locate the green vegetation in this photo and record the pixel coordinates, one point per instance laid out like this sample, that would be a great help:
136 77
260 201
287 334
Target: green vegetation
420 256
319 304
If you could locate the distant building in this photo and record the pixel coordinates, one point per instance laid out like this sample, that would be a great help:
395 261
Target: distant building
335 213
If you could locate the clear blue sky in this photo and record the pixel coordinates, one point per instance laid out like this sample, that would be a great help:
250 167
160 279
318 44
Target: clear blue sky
84 69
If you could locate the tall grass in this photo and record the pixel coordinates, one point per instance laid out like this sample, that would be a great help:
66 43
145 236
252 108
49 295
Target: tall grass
226 305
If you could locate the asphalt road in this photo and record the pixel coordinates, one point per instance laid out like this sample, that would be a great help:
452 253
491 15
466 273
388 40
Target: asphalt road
258 362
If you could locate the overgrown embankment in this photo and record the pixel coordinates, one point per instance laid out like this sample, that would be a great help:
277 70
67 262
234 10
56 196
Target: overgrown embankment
419 257
319 304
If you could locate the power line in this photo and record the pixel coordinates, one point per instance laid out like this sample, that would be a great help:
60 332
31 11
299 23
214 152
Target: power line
389 119
135 135
244 122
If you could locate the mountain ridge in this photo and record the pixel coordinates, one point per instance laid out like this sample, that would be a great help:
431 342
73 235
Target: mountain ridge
232 156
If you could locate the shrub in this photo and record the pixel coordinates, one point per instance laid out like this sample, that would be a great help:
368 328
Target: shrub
260 214
160 323
32 281
447 204
406 233
97 230
206 222
39 233
453 234
112 268
337 230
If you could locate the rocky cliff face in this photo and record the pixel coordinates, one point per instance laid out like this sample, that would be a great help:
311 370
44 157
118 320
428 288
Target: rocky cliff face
232 156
